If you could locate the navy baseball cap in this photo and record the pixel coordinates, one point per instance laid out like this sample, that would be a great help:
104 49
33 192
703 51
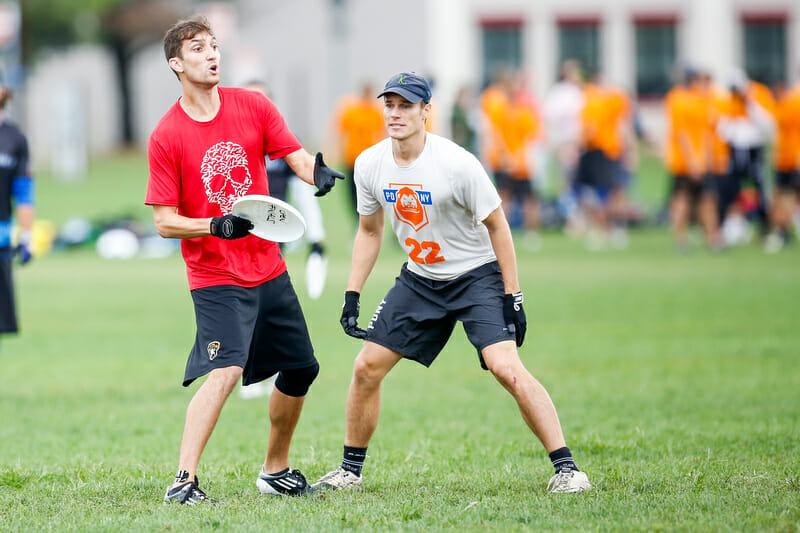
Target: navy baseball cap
410 86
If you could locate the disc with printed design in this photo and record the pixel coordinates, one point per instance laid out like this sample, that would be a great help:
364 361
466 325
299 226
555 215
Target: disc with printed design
273 219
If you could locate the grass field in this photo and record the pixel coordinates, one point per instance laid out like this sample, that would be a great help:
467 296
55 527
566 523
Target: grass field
677 380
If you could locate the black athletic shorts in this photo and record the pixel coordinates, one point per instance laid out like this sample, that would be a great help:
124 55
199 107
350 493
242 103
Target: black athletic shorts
595 169
8 312
694 188
788 181
417 315
519 188
261 329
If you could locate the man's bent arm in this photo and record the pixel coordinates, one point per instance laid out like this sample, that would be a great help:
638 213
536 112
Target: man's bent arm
365 249
302 164
503 245
171 225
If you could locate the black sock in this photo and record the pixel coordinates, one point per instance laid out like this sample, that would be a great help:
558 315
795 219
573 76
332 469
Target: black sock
353 459
316 248
562 460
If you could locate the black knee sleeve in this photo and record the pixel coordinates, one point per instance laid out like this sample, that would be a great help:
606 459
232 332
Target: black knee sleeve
296 381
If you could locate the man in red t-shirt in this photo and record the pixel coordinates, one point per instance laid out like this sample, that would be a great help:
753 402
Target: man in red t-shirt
205 152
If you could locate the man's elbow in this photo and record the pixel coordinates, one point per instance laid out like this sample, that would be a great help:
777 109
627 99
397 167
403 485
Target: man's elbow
163 227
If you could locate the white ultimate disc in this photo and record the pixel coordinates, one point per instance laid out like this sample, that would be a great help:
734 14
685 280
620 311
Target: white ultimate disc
273 219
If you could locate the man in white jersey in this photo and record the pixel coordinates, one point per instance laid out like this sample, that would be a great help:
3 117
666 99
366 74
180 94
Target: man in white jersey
446 213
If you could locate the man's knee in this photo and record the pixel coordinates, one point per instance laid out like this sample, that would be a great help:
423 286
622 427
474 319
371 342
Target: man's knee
373 363
226 377
503 361
296 381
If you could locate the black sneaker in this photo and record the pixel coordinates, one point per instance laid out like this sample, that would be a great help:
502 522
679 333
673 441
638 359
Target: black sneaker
188 493
289 483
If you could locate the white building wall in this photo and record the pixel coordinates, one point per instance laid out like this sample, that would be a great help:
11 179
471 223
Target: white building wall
72 105
311 54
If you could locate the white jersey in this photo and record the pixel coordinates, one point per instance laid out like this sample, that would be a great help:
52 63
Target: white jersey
436 205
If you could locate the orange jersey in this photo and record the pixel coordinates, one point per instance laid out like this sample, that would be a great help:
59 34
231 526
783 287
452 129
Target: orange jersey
718 102
521 129
619 113
758 92
688 135
604 113
495 106
787 142
360 125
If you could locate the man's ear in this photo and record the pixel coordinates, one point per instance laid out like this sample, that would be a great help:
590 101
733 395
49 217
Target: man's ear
426 110
176 64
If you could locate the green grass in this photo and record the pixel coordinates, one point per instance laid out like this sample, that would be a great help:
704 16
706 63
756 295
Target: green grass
677 380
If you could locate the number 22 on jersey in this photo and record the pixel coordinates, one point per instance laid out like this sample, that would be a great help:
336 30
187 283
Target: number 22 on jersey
425 252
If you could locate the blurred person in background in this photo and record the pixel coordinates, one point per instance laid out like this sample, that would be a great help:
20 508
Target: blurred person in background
17 202
463 126
561 114
495 102
520 132
622 151
748 126
787 168
447 215
281 177
283 180
359 124
601 146
719 155
206 152
688 149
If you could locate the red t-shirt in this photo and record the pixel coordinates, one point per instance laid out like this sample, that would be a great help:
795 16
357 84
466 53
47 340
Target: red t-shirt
203 167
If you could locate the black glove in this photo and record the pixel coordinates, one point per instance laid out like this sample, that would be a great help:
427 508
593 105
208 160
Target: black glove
324 176
349 318
230 227
514 316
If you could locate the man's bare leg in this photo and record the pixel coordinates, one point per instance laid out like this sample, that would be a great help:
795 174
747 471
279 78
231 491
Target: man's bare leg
284 412
534 402
364 396
202 415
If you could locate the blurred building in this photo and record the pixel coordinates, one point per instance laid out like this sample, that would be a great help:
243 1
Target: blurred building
312 52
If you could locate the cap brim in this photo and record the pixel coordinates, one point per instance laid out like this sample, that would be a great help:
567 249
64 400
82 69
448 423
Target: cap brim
405 93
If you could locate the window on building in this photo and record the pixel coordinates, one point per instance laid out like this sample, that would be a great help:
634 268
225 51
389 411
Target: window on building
579 38
764 41
656 54
502 47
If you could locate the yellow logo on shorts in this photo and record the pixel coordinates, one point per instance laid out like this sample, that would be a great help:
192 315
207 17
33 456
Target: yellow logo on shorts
213 350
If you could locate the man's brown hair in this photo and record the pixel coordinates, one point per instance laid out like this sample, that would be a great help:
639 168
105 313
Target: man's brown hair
182 30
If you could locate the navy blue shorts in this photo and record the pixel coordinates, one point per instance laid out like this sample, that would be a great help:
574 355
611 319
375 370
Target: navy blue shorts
788 181
417 315
261 329
518 188
593 176
694 188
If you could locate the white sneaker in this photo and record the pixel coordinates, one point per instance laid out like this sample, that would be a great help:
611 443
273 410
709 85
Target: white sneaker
339 479
316 272
619 239
773 243
568 481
